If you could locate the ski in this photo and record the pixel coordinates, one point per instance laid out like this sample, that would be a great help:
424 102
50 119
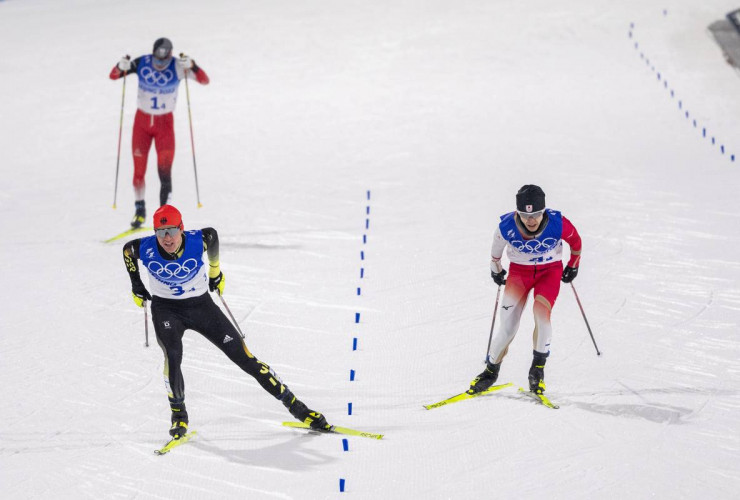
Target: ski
334 429
174 443
128 232
540 398
465 395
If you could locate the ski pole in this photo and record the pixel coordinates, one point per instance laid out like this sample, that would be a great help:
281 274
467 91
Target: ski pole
120 131
192 140
598 353
495 308
232 316
146 325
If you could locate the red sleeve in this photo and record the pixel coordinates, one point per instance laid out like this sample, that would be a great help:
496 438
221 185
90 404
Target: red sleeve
573 239
200 75
115 73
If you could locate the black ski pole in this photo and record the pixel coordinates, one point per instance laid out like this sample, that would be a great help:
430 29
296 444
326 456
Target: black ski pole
146 325
598 353
192 140
120 132
232 316
490 335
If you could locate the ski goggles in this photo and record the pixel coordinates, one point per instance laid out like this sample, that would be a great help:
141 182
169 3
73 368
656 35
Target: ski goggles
530 215
167 231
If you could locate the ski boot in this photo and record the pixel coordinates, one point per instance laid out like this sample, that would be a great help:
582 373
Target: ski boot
537 373
179 419
486 379
301 412
139 216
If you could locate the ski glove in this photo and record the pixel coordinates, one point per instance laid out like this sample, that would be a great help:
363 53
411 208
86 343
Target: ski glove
217 284
124 64
185 62
569 274
499 278
140 295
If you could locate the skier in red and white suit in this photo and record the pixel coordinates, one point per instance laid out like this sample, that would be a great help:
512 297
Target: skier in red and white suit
533 237
159 77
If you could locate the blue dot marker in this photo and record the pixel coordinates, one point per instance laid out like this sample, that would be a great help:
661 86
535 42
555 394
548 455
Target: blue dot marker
362 255
345 444
358 290
364 238
354 340
351 375
367 223
341 485
362 272
349 408
357 317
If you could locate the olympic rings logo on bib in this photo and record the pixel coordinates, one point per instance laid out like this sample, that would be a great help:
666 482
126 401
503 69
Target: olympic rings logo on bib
173 270
158 78
535 246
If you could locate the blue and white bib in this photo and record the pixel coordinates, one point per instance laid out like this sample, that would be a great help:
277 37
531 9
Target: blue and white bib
185 277
546 247
157 89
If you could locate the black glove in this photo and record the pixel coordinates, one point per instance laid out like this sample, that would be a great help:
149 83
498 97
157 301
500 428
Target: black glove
217 284
569 274
140 294
499 278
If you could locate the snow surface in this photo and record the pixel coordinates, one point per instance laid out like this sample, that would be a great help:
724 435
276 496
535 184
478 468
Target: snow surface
442 110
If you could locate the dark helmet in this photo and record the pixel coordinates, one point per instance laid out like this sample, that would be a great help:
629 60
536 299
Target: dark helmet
162 49
530 198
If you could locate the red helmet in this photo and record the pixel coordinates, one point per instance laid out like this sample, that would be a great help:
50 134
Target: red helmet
167 215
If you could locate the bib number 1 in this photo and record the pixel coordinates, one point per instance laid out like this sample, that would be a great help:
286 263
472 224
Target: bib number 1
155 104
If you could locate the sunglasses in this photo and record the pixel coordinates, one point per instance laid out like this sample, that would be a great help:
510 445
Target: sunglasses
171 231
530 215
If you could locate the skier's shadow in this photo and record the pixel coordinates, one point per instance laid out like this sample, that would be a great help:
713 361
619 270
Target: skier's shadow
653 411
290 455
660 414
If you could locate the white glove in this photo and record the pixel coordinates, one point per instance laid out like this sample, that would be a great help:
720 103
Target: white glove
124 64
185 62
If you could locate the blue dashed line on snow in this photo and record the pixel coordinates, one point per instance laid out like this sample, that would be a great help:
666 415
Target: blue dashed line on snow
661 77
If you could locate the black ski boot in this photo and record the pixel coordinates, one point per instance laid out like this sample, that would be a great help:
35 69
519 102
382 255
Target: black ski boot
301 412
537 373
486 379
139 216
179 419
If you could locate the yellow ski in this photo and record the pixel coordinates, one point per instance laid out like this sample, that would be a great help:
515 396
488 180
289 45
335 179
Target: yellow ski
465 395
335 429
128 232
541 398
175 442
